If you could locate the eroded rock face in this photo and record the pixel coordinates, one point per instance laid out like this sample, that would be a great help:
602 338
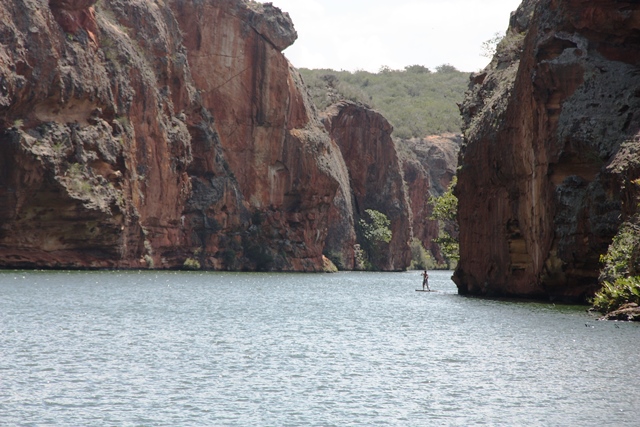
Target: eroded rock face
94 150
272 24
171 132
75 15
364 137
285 166
429 164
550 139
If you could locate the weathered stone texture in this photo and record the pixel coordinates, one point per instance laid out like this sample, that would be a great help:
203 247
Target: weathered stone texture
429 165
364 137
549 128
157 132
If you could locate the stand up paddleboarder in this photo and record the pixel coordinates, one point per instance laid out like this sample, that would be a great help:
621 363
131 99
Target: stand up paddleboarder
425 281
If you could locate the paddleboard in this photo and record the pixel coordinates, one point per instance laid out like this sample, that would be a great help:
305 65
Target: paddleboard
424 290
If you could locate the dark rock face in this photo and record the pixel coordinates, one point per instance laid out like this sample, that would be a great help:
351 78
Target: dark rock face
550 150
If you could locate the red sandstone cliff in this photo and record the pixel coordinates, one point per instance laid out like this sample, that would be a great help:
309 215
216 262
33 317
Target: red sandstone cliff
364 138
551 144
150 134
428 164
286 168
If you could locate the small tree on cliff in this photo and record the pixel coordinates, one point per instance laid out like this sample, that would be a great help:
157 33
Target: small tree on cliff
377 234
489 47
445 211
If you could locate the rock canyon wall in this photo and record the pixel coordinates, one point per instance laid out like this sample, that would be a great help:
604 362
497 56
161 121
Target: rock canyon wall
550 157
364 138
428 165
173 134
159 134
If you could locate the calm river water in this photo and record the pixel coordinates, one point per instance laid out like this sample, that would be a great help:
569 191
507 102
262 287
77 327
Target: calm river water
346 349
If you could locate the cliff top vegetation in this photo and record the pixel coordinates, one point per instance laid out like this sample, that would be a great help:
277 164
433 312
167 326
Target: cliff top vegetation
416 100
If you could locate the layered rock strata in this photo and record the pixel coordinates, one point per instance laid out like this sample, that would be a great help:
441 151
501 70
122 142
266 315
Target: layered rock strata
428 166
550 153
285 166
159 134
364 138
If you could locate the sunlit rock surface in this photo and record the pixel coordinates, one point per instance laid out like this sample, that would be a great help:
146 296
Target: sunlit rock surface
154 133
364 137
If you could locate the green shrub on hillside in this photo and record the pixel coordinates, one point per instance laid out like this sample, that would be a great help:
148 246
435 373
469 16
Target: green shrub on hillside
445 211
191 264
376 233
415 100
622 257
376 228
620 274
614 295
420 257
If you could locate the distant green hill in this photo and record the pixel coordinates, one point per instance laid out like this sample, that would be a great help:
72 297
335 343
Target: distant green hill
417 101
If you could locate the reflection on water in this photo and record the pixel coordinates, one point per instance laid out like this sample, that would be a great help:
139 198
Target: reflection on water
231 349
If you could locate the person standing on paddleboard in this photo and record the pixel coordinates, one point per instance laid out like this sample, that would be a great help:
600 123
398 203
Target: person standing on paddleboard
425 281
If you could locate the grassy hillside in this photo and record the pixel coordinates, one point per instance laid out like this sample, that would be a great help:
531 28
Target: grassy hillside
417 101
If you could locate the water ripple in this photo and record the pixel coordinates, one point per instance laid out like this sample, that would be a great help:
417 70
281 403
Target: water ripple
348 349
